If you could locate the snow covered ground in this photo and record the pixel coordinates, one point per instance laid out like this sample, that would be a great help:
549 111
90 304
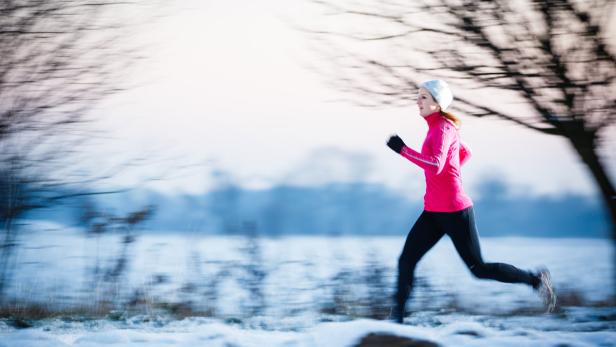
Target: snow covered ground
306 291
452 330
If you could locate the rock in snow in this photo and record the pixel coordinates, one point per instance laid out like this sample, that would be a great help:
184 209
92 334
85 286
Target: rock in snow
379 340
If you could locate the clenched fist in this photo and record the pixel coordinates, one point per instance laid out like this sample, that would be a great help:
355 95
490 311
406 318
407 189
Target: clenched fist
395 143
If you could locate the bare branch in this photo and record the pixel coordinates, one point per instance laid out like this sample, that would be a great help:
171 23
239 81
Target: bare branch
488 111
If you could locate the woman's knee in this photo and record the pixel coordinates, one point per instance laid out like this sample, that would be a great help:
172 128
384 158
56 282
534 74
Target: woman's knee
480 270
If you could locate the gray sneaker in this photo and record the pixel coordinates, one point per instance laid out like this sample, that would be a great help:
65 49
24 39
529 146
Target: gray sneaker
546 289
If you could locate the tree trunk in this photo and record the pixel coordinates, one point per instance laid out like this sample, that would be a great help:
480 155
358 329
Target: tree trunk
6 251
585 146
591 159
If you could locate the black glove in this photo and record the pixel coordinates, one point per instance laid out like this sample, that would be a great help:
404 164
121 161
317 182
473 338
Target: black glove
395 143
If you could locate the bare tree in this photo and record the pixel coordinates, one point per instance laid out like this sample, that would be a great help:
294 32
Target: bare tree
555 57
107 280
59 59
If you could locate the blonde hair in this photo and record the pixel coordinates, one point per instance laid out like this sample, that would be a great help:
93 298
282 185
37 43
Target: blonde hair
454 119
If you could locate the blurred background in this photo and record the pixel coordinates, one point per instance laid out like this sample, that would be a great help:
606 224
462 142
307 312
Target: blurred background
228 158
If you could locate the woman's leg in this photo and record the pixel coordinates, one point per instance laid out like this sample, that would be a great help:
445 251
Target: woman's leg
423 236
460 226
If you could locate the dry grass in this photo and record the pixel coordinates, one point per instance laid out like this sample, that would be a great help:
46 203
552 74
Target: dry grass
36 311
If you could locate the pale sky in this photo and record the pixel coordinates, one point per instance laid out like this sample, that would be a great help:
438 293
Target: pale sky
225 85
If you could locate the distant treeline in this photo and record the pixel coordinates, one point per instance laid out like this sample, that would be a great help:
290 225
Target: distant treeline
343 208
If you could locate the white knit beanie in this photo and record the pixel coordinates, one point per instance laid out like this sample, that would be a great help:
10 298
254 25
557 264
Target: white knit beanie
440 91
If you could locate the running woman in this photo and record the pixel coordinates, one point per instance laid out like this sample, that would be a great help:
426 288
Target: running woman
447 208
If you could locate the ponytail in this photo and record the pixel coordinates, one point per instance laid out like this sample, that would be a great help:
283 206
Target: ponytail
455 120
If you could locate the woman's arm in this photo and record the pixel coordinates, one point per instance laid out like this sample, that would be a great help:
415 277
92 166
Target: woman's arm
436 154
465 153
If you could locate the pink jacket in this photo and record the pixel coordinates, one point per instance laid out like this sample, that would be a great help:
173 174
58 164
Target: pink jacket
441 157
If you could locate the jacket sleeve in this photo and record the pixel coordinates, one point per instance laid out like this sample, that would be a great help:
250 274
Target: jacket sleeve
465 153
436 151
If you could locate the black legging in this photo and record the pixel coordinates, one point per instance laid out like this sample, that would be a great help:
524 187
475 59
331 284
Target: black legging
460 226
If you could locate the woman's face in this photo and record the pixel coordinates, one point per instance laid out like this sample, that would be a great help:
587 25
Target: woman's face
426 103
